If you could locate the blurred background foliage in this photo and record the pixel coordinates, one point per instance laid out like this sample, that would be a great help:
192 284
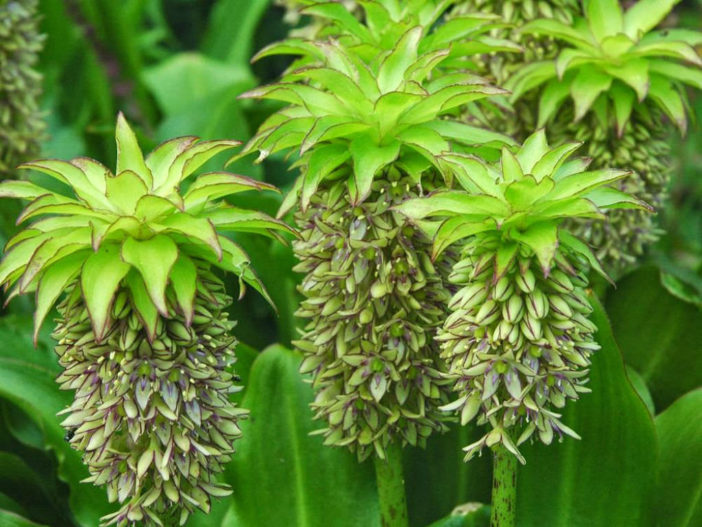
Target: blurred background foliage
176 67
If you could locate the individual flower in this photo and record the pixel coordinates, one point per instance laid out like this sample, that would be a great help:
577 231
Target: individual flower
518 339
143 334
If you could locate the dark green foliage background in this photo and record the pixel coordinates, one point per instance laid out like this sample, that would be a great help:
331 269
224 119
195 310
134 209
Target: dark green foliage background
175 67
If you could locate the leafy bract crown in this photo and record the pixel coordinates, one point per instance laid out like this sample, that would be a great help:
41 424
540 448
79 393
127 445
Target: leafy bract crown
615 56
134 227
353 100
520 202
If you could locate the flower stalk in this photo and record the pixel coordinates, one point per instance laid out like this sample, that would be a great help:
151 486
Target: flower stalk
504 489
391 488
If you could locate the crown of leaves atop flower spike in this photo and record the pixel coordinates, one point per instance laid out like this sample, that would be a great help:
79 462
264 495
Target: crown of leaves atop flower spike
521 201
386 21
134 225
375 111
614 55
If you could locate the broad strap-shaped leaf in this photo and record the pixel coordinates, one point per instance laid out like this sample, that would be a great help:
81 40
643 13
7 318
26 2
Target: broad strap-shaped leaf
192 227
214 185
588 84
153 258
100 277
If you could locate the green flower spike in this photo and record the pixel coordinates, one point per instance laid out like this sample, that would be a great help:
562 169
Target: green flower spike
622 78
369 127
143 334
518 340
21 126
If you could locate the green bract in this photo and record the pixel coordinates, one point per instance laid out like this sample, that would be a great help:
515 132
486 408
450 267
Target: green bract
363 100
614 60
517 340
143 334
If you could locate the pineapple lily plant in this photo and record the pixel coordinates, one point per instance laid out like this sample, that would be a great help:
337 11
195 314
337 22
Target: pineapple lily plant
143 334
517 340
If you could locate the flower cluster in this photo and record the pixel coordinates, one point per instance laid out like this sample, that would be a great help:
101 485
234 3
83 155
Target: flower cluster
143 335
517 340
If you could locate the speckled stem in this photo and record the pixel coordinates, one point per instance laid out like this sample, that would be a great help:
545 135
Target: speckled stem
504 488
391 488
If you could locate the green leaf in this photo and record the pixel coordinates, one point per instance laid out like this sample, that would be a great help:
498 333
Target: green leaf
392 70
662 352
604 17
145 307
676 500
191 227
214 185
294 479
644 15
579 247
670 100
506 254
191 159
529 77
550 102
560 31
550 163
100 278
368 159
579 184
322 161
21 190
72 176
586 87
10 519
54 282
633 72
603 479
153 258
129 156
124 191
467 134
542 238
511 169
162 157
233 42
623 101
186 78
684 74
451 203
184 282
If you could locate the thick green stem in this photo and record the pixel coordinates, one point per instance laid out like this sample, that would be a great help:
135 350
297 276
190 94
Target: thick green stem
391 488
504 488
